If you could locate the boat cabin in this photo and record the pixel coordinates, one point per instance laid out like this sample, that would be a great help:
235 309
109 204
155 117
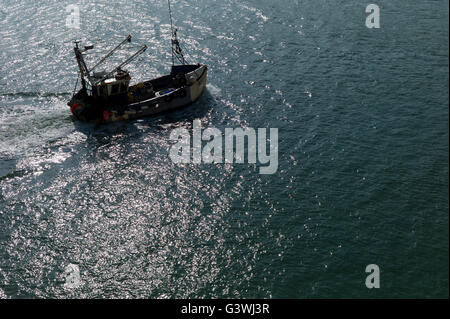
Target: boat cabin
112 86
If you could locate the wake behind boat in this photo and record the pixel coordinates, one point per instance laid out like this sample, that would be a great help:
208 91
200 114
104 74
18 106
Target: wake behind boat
108 97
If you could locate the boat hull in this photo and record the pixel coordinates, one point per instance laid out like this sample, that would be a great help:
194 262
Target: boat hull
86 109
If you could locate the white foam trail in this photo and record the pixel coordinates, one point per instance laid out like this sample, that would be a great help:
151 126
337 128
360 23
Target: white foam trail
214 89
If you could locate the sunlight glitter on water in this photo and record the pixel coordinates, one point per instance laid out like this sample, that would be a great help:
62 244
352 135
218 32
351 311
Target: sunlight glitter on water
109 200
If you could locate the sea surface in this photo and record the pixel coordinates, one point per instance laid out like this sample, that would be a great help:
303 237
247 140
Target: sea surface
363 175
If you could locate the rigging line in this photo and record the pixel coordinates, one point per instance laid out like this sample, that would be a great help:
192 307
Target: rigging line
187 52
177 51
76 84
171 28
180 60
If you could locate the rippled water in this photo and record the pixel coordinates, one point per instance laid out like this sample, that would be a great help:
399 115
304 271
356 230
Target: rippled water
363 137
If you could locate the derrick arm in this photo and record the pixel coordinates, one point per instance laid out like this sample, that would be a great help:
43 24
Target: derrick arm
128 38
121 65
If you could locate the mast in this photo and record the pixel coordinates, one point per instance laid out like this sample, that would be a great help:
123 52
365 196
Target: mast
84 72
177 52
171 31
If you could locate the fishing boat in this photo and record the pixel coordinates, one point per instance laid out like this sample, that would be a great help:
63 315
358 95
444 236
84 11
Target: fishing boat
108 96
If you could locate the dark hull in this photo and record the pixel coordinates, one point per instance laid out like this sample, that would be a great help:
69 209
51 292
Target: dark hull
169 96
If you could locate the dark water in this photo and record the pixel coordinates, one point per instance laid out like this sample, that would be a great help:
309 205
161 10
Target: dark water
363 154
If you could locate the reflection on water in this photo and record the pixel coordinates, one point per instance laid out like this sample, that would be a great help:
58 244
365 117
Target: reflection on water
363 159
